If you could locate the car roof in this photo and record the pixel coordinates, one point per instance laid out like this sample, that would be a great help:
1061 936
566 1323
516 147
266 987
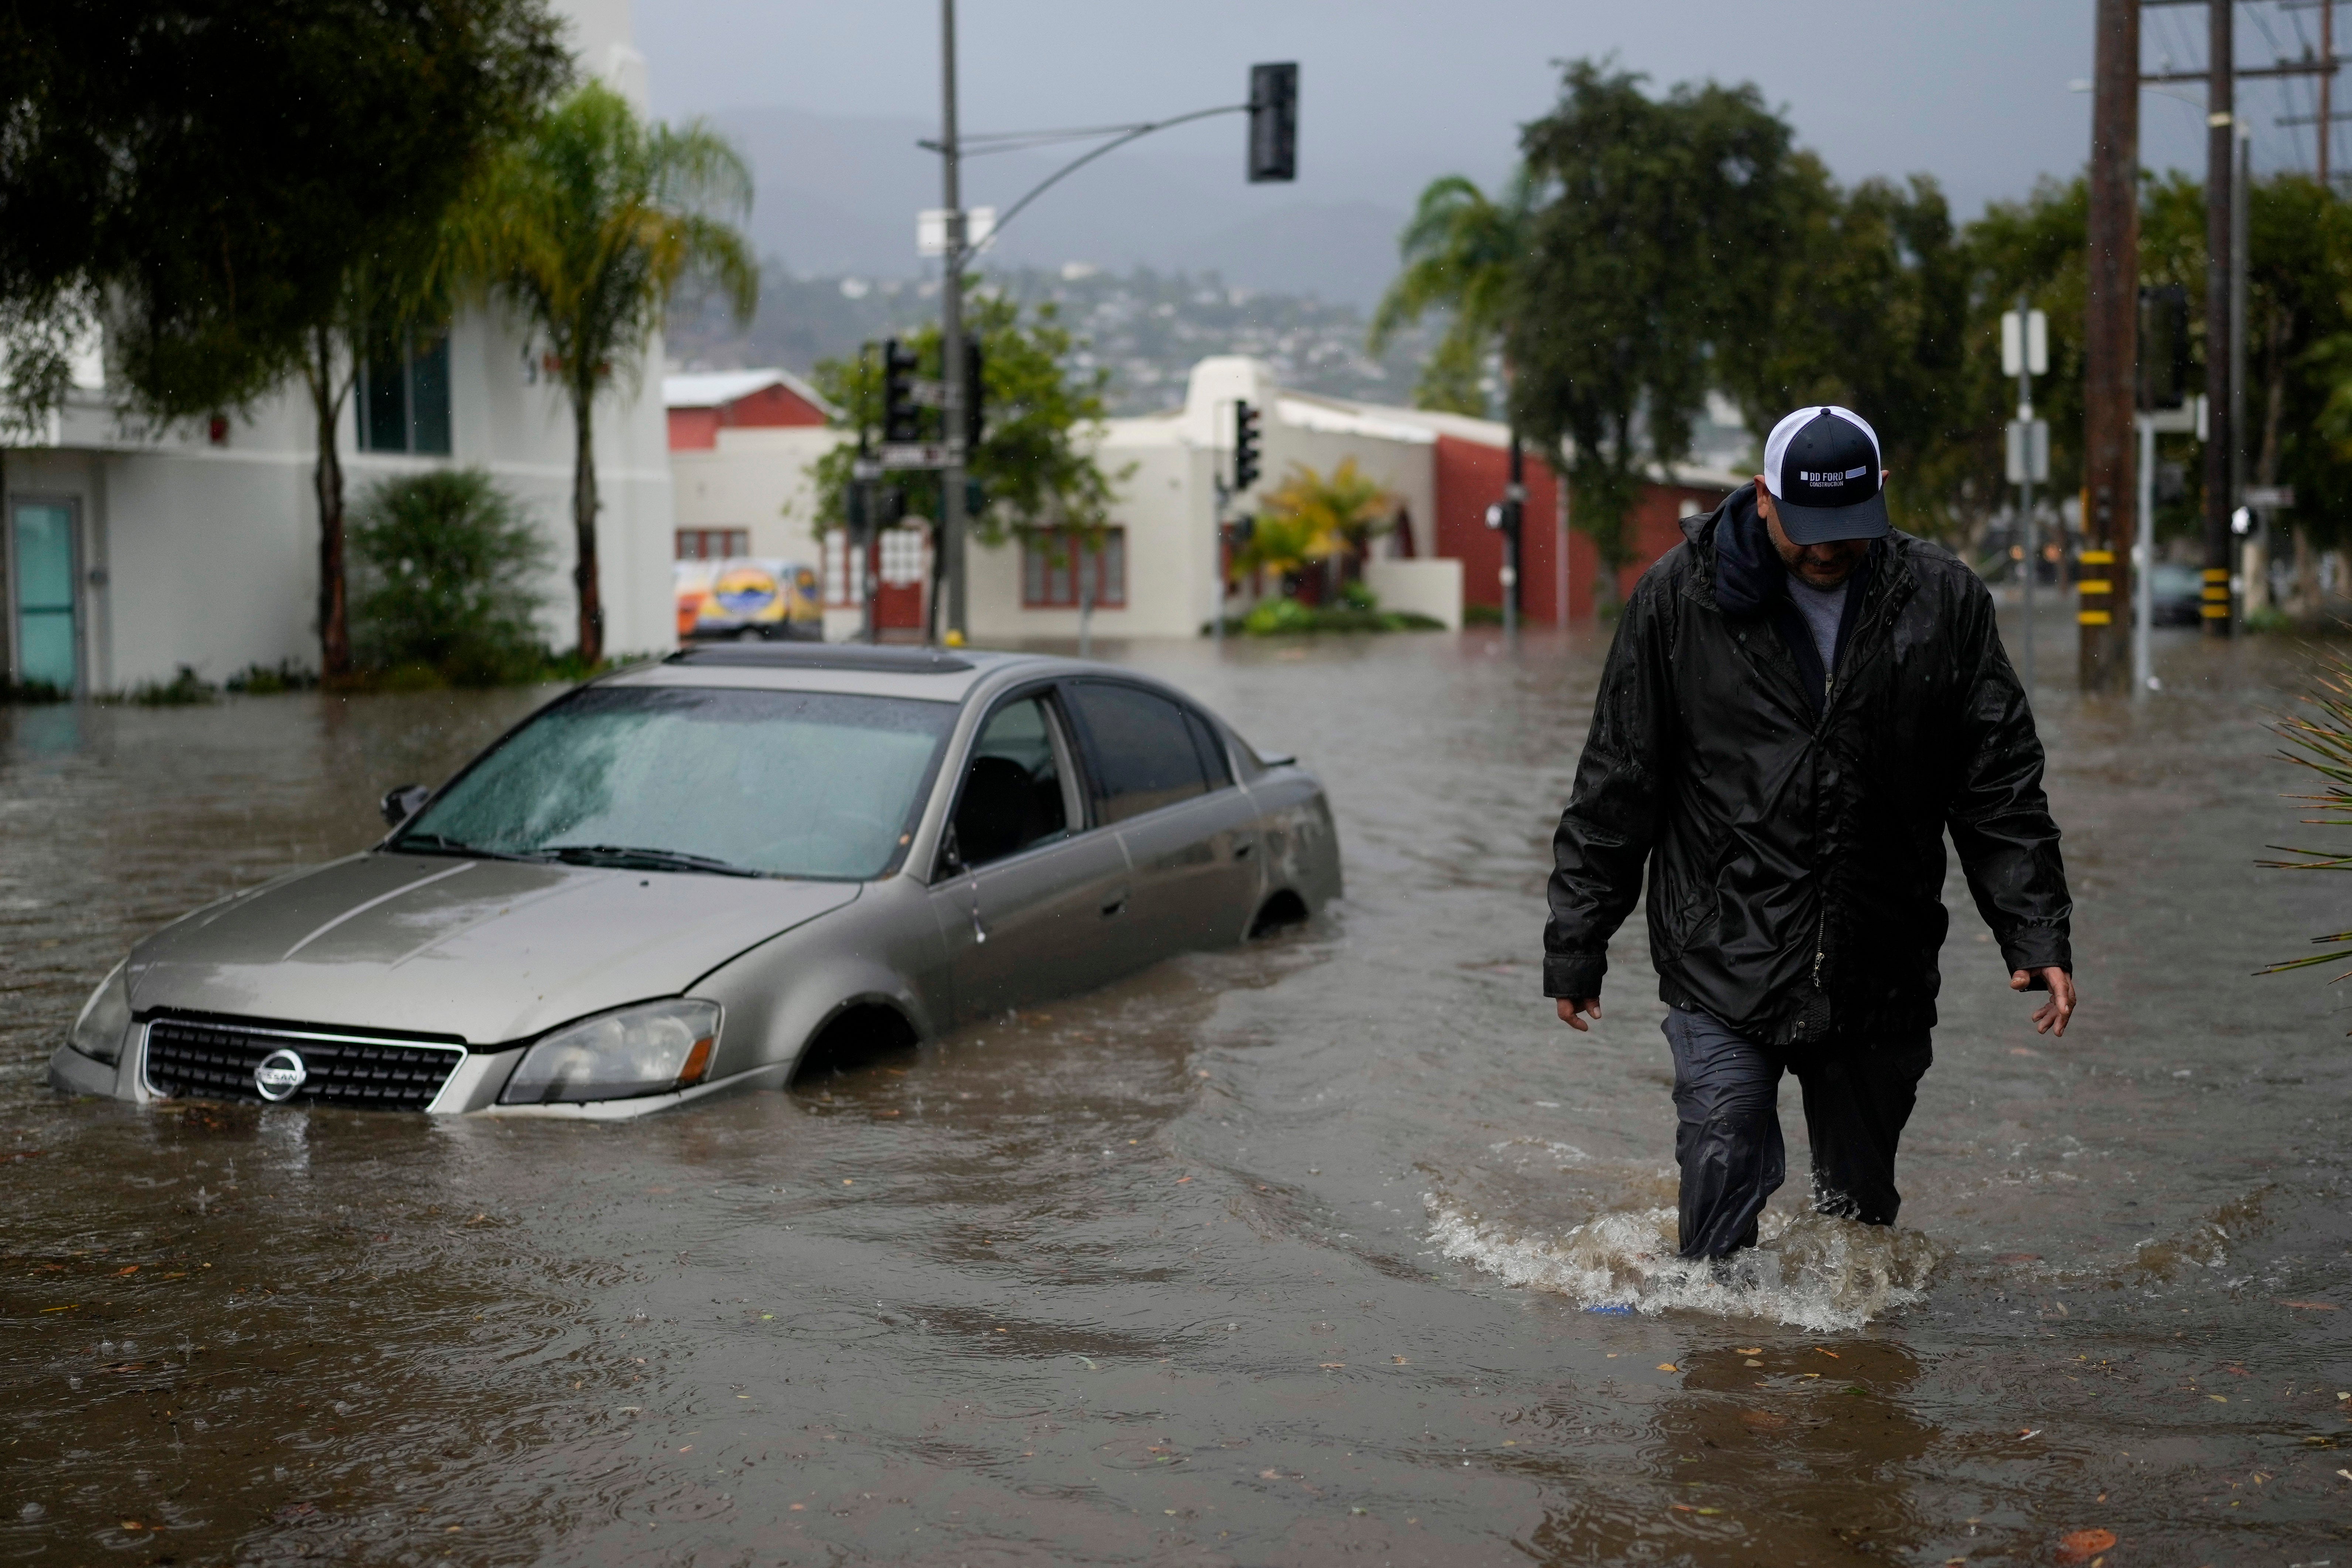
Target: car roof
938 675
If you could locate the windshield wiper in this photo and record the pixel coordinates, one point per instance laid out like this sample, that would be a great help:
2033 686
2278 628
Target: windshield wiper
627 858
442 843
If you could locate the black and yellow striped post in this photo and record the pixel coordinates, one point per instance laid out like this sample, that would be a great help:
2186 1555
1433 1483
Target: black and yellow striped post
2217 606
2097 593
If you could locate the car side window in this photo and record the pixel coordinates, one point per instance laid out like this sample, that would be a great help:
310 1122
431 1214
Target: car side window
1012 796
1212 747
1140 747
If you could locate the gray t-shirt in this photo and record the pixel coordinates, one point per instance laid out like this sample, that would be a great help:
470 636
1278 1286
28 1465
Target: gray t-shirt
1822 609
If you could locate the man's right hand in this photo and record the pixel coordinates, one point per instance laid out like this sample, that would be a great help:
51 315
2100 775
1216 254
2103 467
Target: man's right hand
1569 1006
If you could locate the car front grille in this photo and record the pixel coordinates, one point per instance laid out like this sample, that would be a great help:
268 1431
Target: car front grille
217 1061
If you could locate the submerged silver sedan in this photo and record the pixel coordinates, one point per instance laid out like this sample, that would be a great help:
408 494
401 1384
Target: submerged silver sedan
711 872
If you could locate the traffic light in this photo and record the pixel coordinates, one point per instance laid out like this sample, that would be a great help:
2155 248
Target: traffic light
975 418
901 420
1244 447
1274 123
2163 347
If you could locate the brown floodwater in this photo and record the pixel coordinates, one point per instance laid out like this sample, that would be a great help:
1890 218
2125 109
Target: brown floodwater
1336 1247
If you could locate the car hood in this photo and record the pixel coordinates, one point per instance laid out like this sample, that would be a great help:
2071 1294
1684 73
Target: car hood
488 950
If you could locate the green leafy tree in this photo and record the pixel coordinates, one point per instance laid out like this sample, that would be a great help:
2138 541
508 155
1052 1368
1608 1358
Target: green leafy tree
1035 465
1872 313
446 563
1659 248
1461 253
585 225
218 175
213 170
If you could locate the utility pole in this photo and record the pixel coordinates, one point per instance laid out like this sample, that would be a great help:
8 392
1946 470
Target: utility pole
2110 333
951 518
2220 348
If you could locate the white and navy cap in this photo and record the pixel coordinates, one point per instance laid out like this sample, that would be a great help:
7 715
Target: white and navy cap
1822 464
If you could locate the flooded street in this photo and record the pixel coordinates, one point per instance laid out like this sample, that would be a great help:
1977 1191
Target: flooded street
1337 1247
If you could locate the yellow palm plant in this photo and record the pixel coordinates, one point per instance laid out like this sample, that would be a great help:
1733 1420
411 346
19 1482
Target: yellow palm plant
585 227
1338 514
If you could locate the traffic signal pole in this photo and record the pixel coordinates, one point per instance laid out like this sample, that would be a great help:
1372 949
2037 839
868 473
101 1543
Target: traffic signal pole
951 517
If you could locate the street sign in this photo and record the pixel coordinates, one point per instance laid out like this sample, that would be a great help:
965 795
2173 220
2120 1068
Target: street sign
2024 345
931 230
926 393
915 455
2270 498
2029 450
866 470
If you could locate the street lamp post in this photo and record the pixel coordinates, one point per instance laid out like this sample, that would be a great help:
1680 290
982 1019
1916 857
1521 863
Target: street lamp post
951 388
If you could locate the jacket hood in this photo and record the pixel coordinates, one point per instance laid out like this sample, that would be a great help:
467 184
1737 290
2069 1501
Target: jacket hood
1749 576
486 951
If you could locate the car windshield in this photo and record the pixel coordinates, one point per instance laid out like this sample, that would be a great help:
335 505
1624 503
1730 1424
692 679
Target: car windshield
785 784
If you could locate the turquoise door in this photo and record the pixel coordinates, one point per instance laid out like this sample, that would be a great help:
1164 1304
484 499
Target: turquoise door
47 648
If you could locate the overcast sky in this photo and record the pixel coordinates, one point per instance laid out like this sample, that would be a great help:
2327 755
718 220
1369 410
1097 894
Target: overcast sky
1395 92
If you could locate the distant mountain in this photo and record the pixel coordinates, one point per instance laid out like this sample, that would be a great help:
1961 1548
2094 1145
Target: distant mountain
1146 328
838 195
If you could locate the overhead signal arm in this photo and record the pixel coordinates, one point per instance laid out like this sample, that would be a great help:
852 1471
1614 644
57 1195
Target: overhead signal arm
1273 118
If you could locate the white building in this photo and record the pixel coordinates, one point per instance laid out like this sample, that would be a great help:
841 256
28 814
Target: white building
742 452
126 553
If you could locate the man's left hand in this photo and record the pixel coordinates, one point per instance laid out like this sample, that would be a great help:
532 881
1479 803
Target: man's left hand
2051 1015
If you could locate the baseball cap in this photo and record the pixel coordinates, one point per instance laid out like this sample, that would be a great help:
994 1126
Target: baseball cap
1822 464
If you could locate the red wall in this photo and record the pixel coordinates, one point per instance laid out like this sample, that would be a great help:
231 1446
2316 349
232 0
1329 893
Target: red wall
1471 476
693 429
697 429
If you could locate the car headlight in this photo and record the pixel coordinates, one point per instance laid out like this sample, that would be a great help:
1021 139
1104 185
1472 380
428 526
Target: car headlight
105 1019
651 1049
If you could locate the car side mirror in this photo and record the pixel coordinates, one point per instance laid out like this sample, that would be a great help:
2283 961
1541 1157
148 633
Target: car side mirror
403 801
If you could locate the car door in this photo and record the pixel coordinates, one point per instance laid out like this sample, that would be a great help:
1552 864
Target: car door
1161 778
1032 899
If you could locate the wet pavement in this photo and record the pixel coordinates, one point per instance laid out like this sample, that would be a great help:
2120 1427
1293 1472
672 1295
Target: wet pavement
1337 1247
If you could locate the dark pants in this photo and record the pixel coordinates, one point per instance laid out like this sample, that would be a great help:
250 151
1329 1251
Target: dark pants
1727 1139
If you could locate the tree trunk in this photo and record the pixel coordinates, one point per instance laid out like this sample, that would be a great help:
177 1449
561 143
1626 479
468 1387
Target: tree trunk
327 482
584 522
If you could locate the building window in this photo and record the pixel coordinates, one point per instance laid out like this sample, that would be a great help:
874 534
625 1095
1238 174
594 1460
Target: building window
713 543
1048 581
403 395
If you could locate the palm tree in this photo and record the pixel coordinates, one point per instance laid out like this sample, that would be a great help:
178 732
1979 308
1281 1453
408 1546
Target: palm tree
585 227
1339 516
1459 251
1282 544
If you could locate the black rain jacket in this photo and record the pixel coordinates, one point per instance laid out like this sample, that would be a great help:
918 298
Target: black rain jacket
1792 819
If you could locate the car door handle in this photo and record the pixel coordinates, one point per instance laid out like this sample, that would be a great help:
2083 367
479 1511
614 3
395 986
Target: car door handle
1115 903
1242 845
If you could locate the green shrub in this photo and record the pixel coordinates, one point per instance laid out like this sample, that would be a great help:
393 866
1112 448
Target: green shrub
1288 617
269 680
1357 596
444 567
1482 614
186 689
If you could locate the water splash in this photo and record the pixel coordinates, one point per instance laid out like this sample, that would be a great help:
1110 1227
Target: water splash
1809 1271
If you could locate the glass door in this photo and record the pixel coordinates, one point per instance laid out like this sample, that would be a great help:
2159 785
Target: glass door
47 648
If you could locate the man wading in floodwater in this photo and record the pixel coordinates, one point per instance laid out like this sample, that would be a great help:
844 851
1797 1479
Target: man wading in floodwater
1799 703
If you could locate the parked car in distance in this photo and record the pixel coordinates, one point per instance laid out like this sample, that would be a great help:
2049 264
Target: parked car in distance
747 600
699 874
2175 594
